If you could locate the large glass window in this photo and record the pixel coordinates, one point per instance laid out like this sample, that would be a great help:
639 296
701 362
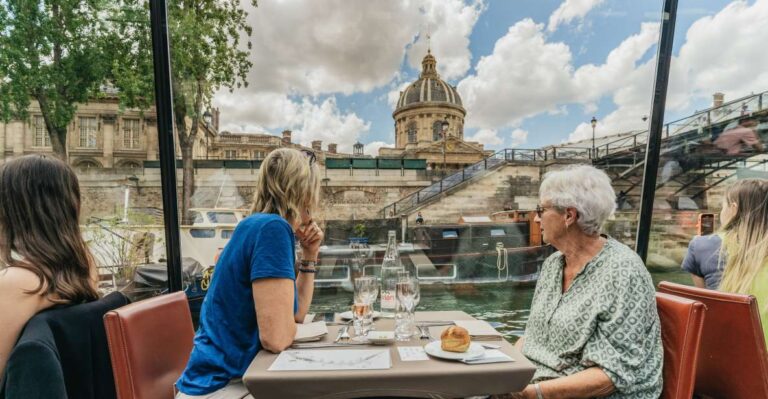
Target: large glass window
41 138
131 133
88 131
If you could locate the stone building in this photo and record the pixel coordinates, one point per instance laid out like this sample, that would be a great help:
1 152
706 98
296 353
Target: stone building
422 110
101 135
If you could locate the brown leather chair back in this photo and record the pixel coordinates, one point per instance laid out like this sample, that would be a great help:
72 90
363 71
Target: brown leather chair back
681 323
733 362
150 342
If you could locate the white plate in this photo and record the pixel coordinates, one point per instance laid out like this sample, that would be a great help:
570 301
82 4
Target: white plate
433 349
348 315
381 337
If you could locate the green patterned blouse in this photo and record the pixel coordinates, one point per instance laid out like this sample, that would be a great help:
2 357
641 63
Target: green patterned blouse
606 318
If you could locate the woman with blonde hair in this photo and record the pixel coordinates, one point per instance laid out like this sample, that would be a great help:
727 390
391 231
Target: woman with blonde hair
745 241
44 260
256 297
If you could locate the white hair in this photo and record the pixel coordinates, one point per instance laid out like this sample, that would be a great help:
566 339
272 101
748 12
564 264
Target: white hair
585 188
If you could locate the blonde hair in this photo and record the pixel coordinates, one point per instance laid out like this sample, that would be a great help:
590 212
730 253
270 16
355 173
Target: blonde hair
746 235
287 184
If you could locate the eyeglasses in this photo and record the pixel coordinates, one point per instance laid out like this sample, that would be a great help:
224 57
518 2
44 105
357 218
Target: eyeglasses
540 209
311 155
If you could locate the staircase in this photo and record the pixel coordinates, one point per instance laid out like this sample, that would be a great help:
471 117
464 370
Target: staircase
459 179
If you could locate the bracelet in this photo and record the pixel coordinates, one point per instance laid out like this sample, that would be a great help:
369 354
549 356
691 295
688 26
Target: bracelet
303 270
539 395
308 263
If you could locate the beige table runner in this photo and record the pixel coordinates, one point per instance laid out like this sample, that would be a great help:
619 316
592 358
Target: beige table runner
433 378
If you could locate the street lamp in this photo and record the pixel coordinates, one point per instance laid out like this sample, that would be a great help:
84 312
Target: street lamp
594 123
207 117
444 132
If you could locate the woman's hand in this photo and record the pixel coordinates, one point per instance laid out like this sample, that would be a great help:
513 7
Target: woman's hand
310 238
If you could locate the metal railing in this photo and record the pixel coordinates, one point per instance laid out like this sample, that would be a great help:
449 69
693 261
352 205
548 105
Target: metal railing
699 121
492 162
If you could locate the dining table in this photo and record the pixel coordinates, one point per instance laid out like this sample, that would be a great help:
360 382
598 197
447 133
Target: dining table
428 378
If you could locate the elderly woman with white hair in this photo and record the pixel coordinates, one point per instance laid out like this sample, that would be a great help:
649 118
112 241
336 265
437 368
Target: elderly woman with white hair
593 330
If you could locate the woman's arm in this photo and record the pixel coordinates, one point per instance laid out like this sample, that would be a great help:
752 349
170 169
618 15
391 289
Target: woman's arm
698 281
310 239
305 285
16 308
590 383
273 299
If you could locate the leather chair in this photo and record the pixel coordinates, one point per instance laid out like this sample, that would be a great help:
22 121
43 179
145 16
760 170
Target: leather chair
150 342
733 361
681 324
62 352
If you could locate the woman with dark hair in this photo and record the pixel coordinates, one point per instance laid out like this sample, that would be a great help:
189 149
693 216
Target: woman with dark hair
44 260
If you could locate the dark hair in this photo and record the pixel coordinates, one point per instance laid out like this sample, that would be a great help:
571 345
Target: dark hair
39 221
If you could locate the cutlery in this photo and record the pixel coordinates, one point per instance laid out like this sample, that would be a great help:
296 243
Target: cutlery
424 330
490 346
328 345
436 323
343 334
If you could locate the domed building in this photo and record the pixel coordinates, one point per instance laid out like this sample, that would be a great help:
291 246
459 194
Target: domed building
422 109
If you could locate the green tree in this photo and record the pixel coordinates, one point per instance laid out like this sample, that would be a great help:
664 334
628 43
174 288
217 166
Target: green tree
51 52
207 54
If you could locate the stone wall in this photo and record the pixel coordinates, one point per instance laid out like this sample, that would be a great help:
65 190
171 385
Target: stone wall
345 196
509 187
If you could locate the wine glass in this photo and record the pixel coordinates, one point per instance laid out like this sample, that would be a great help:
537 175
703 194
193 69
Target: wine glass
366 290
406 293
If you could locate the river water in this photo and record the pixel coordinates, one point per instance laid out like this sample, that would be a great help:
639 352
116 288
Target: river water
505 306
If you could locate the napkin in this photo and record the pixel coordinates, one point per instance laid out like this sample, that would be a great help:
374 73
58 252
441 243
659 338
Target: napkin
309 332
480 330
490 356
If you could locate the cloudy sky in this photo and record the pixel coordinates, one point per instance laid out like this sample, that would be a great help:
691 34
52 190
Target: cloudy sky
530 72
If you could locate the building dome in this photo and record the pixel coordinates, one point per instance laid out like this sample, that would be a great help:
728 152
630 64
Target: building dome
429 88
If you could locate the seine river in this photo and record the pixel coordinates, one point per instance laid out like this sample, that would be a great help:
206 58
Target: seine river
505 306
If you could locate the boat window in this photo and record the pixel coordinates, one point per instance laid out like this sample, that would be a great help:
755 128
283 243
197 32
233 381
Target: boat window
198 217
450 234
202 233
497 233
227 234
222 217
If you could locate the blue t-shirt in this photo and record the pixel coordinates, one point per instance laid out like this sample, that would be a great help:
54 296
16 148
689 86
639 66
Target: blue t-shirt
262 246
703 259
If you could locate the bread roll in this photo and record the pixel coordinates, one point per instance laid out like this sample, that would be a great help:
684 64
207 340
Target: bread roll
455 339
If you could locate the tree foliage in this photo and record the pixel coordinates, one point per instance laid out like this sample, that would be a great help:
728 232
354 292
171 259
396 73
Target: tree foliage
51 52
210 47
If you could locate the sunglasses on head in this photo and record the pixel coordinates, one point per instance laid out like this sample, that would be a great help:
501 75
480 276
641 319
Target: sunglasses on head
311 156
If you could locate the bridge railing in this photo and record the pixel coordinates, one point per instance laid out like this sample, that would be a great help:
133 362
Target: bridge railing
499 158
699 121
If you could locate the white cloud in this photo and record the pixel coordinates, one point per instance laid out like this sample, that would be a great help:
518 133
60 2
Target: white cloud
449 22
309 120
372 148
519 137
310 48
570 10
526 75
523 76
709 61
487 137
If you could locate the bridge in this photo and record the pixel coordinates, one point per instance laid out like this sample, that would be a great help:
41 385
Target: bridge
689 155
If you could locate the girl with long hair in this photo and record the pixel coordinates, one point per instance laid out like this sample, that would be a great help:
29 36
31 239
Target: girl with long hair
44 260
256 297
745 241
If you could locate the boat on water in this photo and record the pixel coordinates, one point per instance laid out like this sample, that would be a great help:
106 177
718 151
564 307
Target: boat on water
503 247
